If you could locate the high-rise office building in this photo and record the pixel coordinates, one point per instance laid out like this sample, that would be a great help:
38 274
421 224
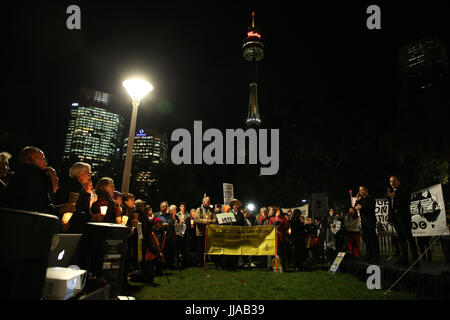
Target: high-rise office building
423 62
93 133
149 146
150 151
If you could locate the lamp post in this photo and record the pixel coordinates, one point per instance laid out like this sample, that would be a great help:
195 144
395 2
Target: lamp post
137 89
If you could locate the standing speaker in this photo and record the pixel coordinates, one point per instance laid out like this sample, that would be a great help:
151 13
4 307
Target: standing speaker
103 252
319 203
26 239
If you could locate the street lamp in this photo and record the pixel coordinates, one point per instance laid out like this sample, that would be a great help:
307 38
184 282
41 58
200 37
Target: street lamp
137 89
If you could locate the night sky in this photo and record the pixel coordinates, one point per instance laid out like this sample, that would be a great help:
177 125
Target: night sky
324 74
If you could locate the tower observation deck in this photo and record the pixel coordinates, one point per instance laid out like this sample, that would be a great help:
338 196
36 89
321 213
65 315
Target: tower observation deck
253 51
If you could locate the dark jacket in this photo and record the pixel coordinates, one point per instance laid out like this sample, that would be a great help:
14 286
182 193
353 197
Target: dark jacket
399 206
82 213
113 209
367 210
240 221
298 229
330 221
29 189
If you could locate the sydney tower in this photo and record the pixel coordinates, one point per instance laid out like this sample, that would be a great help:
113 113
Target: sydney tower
253 51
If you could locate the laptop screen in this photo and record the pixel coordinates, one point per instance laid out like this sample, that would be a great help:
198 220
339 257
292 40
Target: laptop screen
64 250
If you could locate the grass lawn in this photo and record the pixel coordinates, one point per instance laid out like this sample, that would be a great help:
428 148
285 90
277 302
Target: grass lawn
259 284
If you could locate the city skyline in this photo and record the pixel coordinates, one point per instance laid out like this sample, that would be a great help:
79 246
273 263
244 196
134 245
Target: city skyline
327 82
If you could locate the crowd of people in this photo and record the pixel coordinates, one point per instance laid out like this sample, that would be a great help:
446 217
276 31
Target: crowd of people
174 237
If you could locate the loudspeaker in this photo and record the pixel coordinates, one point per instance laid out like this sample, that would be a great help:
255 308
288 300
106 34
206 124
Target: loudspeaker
103 252
319 204
26 239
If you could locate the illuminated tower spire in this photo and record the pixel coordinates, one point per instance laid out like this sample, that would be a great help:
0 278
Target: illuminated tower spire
253 51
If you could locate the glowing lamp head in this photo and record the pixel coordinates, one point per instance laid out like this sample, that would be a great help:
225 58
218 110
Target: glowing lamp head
137 88
251 206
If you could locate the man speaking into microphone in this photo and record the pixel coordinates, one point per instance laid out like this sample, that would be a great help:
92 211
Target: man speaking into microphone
400 216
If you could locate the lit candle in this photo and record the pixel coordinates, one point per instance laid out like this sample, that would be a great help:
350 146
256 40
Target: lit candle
289 231
66 217
103 210
192 222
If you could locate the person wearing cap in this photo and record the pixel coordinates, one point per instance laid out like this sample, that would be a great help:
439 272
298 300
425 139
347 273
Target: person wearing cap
204 215
235 204
155 242
169 226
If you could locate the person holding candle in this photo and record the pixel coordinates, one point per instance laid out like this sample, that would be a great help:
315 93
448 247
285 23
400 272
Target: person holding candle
79 187
110 211
33 185
65 217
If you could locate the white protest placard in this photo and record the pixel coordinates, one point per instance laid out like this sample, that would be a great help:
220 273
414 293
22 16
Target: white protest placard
228 193
225 217
337 226
428 212
381 214
336 262
139 230
180 229
304 210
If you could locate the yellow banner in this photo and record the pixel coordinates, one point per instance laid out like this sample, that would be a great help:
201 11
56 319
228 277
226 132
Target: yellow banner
245 241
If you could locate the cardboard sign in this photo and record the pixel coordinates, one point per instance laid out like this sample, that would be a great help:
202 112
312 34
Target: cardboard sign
336 262
225 217
139 230
228 193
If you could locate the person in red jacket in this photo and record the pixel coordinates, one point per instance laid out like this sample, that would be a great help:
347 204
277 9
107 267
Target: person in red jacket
271 221
155 242
282 226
